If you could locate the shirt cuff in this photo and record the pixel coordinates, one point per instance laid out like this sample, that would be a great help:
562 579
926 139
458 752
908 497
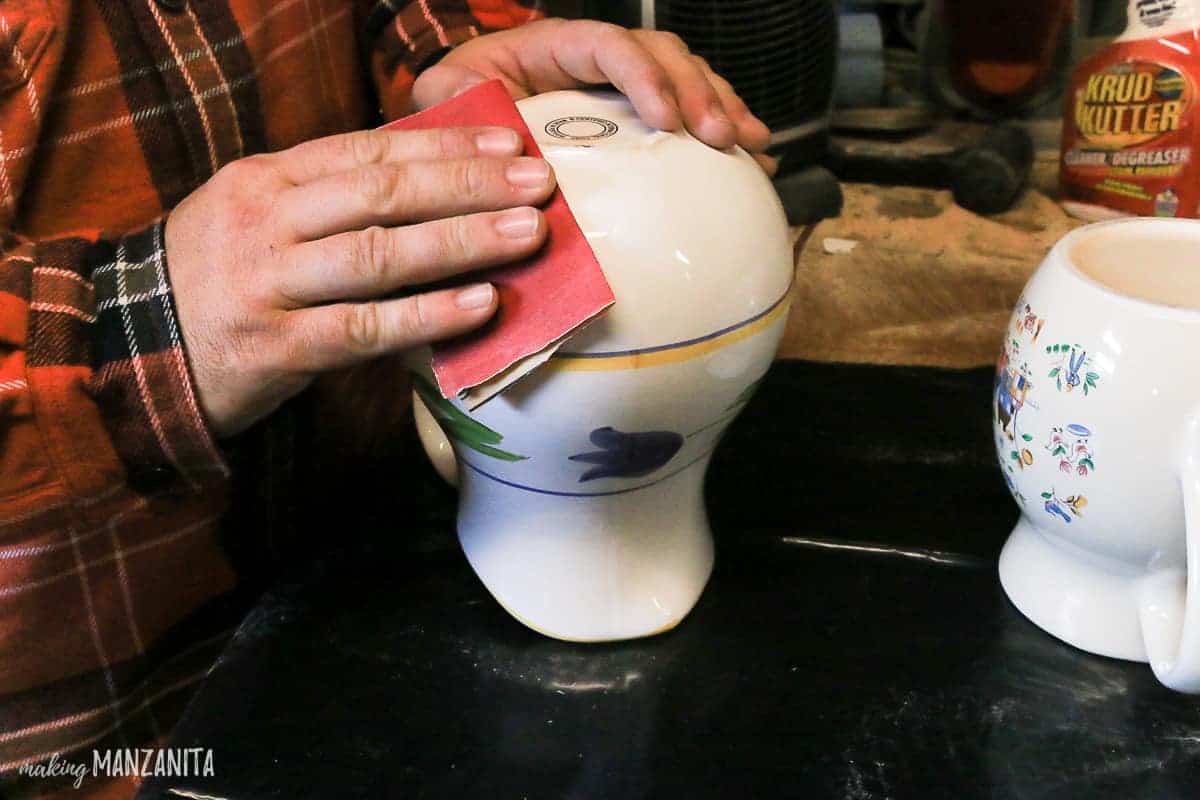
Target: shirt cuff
141 378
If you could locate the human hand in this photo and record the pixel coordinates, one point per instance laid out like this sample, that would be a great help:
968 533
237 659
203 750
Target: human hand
287 265
668 85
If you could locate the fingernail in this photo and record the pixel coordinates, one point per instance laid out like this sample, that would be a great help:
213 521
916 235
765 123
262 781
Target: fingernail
528 172
478 296
517 223
718 113
498 142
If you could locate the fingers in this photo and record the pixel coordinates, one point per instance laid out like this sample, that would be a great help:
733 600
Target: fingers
769 164
443 82
703 112
330 155
340 335
416 191
752 133
667 84
377 261
711 108
596 52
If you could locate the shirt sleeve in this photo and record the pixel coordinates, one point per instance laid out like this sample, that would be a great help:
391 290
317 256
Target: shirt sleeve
95 390
403 38
94 383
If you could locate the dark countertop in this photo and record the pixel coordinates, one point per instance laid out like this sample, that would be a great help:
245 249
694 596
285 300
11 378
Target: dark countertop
853 643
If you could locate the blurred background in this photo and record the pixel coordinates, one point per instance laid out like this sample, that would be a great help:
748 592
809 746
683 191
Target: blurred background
888 73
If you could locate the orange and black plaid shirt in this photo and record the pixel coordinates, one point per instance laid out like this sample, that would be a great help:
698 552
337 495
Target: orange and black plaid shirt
111 488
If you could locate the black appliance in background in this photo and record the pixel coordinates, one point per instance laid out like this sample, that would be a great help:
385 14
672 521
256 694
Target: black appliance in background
781 57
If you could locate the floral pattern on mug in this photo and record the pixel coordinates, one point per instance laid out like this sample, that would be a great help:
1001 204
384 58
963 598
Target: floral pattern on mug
1006 469
1059 506
1023 457
1070 371
1071 445
1028 323
1013 385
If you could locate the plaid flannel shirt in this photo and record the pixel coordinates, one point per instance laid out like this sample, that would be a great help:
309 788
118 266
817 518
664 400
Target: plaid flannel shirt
114 589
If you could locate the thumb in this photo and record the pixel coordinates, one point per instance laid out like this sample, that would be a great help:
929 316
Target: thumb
443 81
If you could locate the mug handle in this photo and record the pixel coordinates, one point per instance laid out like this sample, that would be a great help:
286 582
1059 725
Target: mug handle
1169 602
434 440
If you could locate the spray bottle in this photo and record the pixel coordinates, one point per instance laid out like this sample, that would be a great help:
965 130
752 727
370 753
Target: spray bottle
1130 127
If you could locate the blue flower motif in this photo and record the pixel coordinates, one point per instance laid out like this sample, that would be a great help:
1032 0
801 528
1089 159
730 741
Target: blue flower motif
628 455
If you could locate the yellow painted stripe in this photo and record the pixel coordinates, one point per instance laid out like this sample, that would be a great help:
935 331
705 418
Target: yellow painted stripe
661 357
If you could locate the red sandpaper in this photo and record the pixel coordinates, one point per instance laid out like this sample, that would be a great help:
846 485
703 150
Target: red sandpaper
543 298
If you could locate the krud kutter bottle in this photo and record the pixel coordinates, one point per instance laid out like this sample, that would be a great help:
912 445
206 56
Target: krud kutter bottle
1130 127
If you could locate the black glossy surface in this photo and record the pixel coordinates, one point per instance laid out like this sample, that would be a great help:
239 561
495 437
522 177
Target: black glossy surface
853 643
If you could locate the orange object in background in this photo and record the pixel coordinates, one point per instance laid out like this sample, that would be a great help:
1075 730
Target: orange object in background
1001 56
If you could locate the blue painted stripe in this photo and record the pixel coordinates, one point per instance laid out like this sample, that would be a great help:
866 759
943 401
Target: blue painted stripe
553 493
685 342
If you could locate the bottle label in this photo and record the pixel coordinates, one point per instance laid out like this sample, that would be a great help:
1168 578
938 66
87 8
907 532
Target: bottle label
1155 13
1130 104
1128 131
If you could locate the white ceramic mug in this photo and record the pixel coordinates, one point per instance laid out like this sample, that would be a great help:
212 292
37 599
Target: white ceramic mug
1097 426
581 502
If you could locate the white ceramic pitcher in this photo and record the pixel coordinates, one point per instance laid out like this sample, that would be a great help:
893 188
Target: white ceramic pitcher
581 504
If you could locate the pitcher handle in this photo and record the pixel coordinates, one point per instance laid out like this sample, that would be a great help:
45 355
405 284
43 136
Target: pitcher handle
1169 598
433 439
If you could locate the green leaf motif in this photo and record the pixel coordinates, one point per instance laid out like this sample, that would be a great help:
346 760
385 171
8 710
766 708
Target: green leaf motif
1058 383
1014 456
460 427
495 452
1087 462
1046 495
1027 437
1054 372
467 430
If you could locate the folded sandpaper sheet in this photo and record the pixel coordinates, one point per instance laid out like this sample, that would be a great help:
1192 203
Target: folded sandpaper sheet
543 300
